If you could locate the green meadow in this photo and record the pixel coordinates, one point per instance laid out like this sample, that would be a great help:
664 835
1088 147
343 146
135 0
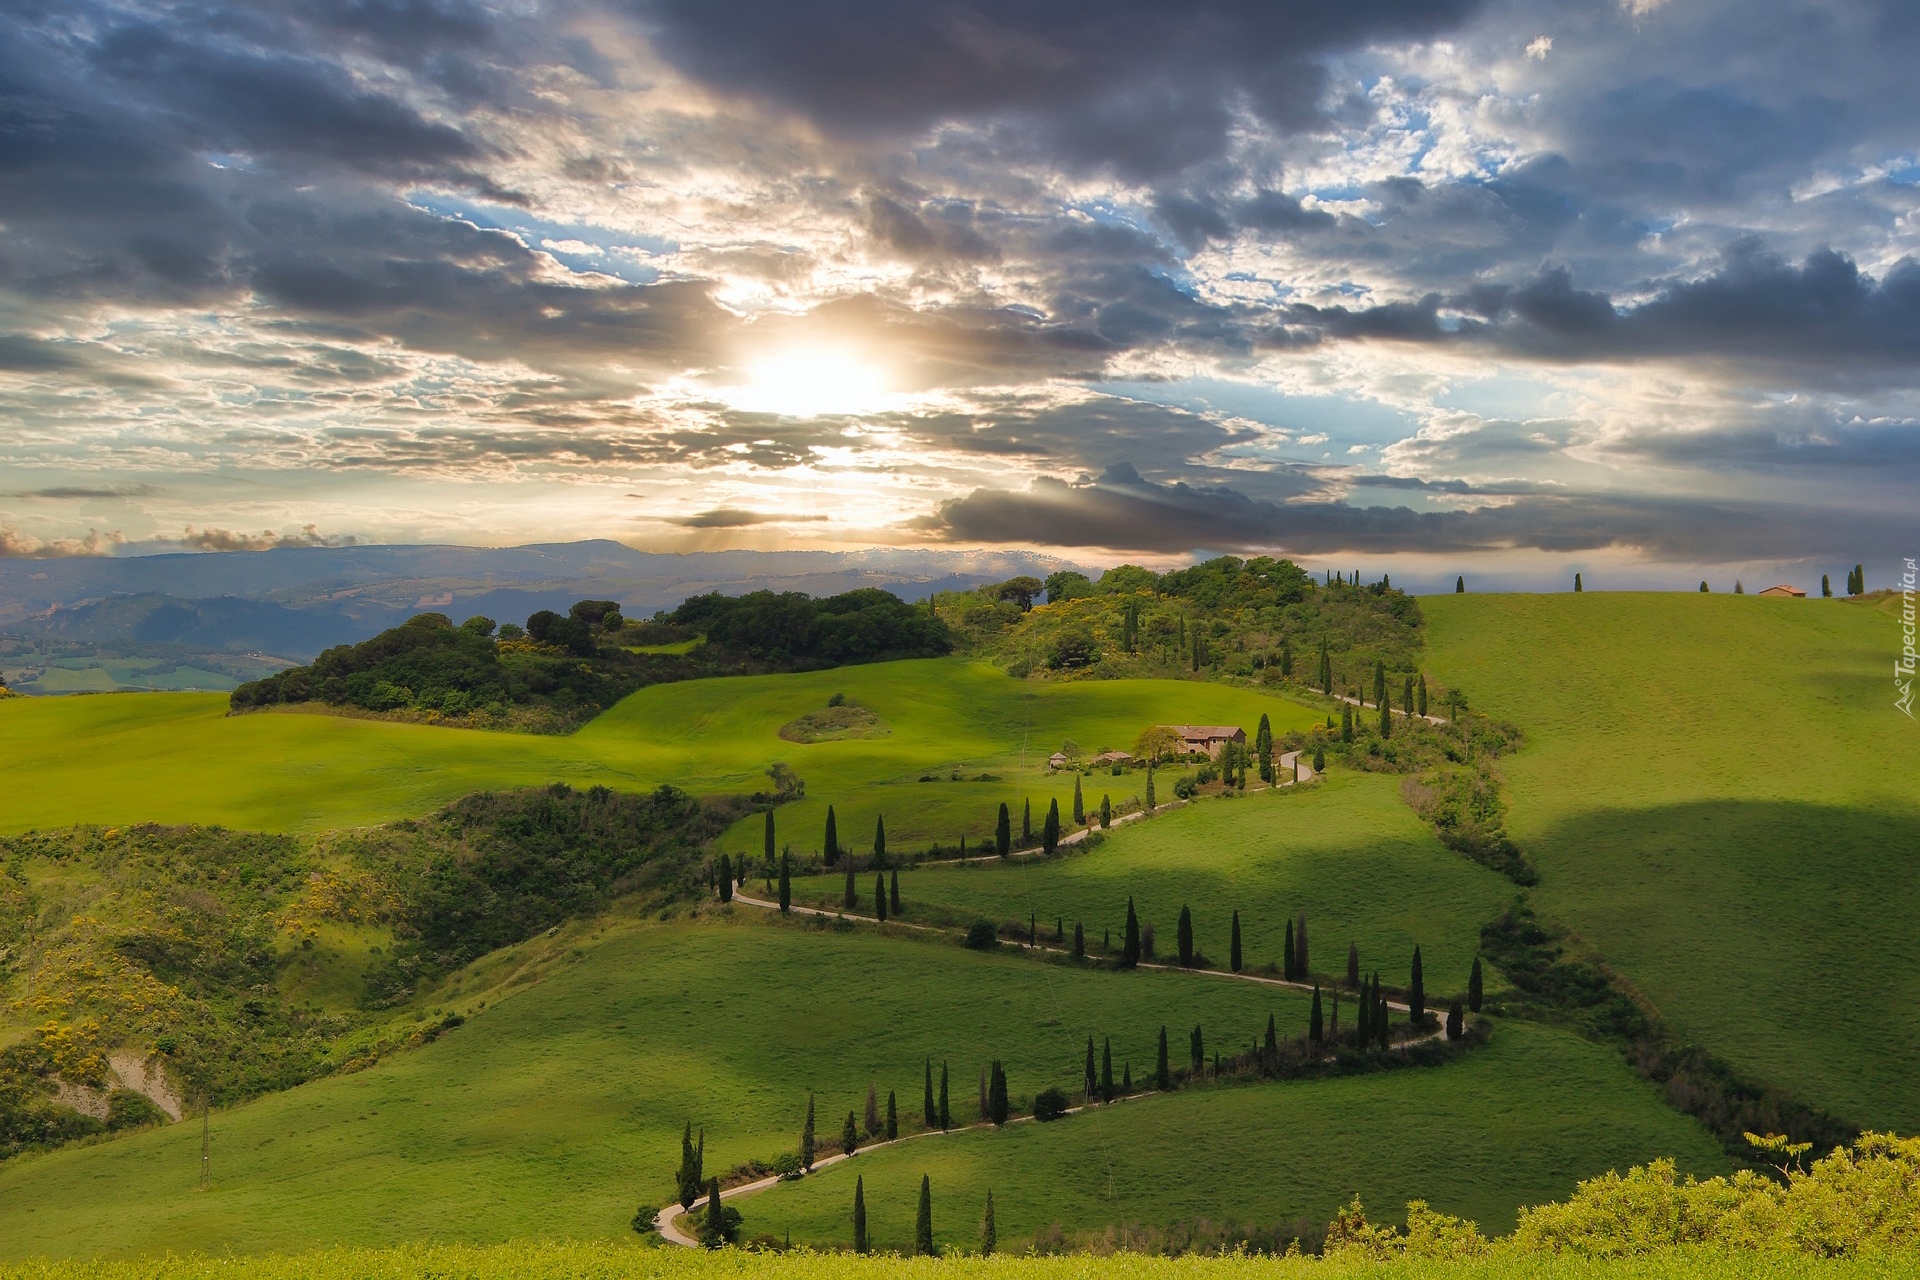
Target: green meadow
180 758
1345 850
557 1111
1721 798
1518 1122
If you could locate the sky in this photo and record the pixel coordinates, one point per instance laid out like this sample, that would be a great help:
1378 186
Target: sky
1520 286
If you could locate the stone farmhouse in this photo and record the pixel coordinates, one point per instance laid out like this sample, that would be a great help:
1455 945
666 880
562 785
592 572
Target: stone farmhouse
1207 739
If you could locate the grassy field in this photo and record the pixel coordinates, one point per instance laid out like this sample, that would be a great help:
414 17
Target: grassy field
1518 1122
557 1111
558 1261
1346 850
1720 797
180 758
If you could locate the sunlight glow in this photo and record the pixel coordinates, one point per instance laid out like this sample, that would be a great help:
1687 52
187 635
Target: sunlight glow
810 384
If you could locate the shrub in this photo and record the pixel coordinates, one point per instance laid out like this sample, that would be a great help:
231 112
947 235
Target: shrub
1049 1104
982 935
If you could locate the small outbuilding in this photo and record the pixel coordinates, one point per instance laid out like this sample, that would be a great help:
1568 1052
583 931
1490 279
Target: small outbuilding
1783 589
1108 758
1058 760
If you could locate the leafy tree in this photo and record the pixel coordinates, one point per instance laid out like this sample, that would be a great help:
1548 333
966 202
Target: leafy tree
989 1237
1316 1025
1050 833
893 1117
1162 1071
806 1138
1020 591
1106 811
946 1115
1003 832
1079 941
1288 968
893 894
873 1111
860 1214
997 1105
1130 944
786 884
923 1220
1417 994
849 1136
1473 986
831 851
1067 584
880 841
880 898
1106 1069
1455 1021
1353 964
931 1112
1233 945
1079 805
1184 936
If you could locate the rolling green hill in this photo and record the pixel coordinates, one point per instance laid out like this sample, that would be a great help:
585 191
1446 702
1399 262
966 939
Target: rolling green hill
1346 851
1720 798
179 758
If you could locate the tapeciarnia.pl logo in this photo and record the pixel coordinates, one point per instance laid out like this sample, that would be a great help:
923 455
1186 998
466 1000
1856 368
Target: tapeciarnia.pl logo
1904 664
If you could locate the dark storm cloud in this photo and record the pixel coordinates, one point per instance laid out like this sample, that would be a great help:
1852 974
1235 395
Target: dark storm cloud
1146 86
1123 512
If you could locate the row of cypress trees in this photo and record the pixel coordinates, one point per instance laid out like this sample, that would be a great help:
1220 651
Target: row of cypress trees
923 1245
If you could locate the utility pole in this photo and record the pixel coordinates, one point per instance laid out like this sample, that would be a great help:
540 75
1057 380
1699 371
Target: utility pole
206 1140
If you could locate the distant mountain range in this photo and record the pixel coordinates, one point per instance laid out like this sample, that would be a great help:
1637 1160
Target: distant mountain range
294 602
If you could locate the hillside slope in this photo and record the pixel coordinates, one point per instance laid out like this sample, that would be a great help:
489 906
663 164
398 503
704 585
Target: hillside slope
1720 797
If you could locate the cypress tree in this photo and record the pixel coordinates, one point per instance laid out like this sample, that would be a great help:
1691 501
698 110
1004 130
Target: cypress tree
893 1117
931 1112
1326 670
717 1231
1079 941
1106 1070
985 1112
1363 1029
1092 1080
1126 1080
1576 582
1417 994
1703 586
1859 579
1079 805
1826 587
1300 959
1050 833
923 1220
1288 969
1316 1024
1106 811
688 1179
880 899
806 1138
1272 1045
997 1104
1184 934
1473 986
1150 804
1198 1048
946 1115
1003 832
1346 722
1333 1021
1382 1017
1130 945
1455 1022
1386 716
1286 658
860 1215
1421 693
849 1136
1406 696
1319 758
1026 822
1033 929
769 843
1460 585
852 892
880 841
873 1111
1263 747
1162 1071
1379 682
989 1238
1353 964
832 850
893 894
1233 944
726 876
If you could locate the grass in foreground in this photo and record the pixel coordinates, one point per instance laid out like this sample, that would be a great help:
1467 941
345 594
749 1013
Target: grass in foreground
179 758
1346 851
1719 795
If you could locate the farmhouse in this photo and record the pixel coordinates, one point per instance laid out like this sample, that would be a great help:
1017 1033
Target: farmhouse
1784 590
1207 739
1106 758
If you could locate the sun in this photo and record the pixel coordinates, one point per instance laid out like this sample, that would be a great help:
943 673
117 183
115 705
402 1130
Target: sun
811 383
